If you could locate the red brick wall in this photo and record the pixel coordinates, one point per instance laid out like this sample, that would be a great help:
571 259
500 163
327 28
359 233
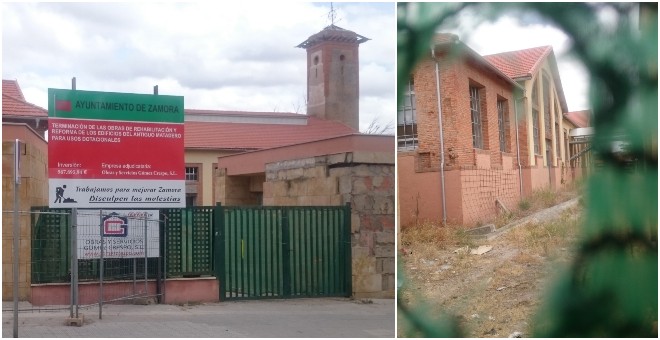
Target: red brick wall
333 82
456 78
420 198
474 178
480 190
470 193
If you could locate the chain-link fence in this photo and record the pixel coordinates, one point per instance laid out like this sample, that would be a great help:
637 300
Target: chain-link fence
118 256
73 260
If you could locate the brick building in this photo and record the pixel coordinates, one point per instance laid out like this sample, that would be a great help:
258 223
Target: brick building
463 155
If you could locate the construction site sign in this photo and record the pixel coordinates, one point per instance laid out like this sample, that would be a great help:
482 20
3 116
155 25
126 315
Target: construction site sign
110 150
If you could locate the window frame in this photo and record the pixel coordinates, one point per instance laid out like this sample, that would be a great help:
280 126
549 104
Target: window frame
503 124
407 138
190 174
476 117
536 135
546 105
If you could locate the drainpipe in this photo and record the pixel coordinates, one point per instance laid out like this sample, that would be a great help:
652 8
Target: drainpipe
442 140
520 177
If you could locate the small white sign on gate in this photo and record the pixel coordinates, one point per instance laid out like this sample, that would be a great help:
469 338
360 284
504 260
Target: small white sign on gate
123 233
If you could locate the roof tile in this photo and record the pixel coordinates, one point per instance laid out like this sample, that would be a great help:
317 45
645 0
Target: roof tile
521 63
11 88
220 135
580 118
12 106
213 135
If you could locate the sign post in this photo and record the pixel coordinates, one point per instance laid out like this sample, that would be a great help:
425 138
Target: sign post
17 230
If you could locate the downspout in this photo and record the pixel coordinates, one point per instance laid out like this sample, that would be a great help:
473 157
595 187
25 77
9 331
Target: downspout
520 176
442 140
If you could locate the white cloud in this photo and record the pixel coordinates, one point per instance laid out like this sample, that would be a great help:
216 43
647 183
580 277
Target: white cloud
218 56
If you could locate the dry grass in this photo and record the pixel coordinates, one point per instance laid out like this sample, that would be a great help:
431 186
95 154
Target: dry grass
549 238
504 219
539 200
435 233
435 236
496 293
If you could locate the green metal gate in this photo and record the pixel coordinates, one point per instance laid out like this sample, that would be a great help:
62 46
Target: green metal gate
283 252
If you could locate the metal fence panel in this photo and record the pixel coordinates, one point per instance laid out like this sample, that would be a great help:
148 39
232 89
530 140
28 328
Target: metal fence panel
50 245
279 252
186 244
262 252
189 241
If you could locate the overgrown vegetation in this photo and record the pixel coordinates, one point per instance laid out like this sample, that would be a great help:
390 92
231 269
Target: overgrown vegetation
430 237
546 239
447 277
545 198
524 205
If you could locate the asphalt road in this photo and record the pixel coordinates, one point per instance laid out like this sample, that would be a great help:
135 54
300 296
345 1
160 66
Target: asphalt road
309 318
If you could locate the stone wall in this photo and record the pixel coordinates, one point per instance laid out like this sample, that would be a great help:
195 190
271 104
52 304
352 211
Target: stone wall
32 191
236 190
366 181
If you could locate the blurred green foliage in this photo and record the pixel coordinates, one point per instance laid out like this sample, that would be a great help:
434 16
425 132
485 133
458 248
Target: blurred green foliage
611 288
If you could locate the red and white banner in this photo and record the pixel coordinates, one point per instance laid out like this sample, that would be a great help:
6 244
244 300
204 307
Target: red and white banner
115 150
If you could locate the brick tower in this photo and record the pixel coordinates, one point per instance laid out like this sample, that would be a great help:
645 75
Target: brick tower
333 75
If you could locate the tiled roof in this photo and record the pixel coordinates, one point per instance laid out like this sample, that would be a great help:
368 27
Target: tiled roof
523 64
451 42
240 113
581 119
333 33
261 132
519 64
220 135
11 88
12 106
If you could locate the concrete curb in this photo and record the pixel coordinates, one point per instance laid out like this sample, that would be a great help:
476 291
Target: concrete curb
538 217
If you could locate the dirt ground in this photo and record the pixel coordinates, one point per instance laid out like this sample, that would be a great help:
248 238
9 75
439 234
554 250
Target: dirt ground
493 294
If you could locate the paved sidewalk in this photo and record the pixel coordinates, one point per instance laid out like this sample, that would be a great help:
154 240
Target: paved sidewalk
330 317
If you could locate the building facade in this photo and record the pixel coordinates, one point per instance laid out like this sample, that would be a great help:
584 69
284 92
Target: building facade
543 113
476 134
